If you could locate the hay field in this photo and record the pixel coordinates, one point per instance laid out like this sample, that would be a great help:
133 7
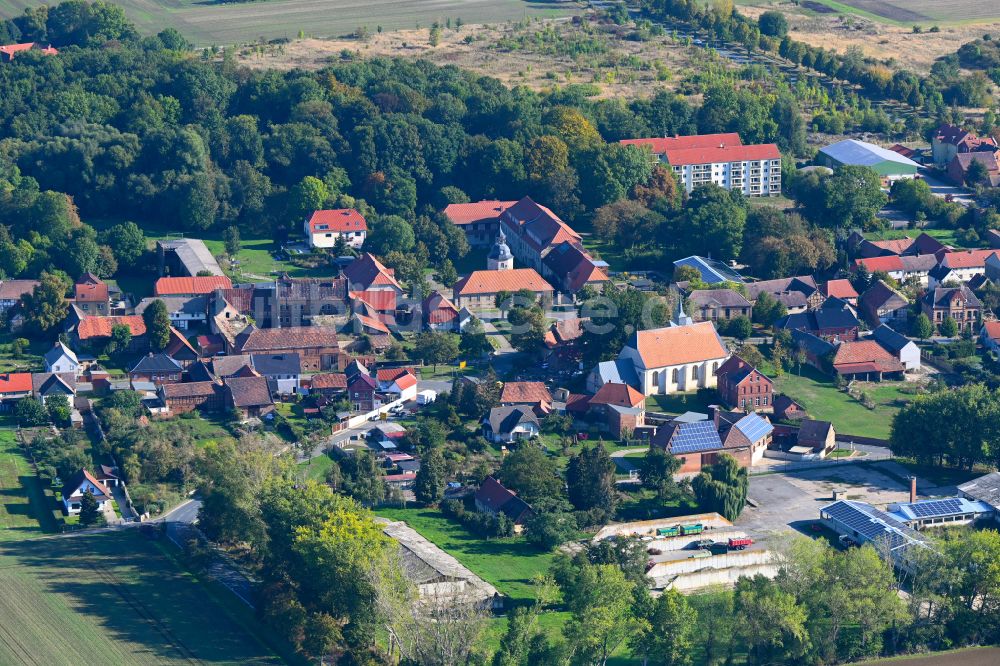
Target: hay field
111 598
878 38
207 22
918 11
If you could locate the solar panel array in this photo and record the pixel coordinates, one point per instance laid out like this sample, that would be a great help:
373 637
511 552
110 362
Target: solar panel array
695 437
754 427
935 508
872 524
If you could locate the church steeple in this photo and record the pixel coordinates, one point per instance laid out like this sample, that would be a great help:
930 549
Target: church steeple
680 317
500 257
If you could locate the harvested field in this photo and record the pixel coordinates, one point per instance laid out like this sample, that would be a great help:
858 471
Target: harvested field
841 30
206 22
111 598
537 55
920 11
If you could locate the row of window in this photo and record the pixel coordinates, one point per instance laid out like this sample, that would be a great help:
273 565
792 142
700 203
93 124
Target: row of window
759 401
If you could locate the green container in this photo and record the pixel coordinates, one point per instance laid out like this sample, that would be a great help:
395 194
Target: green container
668 531
692 529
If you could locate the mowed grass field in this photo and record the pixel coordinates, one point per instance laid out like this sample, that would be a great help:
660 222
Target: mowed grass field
206 22
24 510
507 564
911 11
112 598
822 400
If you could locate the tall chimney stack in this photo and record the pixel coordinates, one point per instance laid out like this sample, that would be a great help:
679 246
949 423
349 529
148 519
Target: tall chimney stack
913 489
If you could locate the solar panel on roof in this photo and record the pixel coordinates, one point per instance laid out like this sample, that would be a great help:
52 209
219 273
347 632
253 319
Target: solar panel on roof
753 427
872 524
934 508
694 437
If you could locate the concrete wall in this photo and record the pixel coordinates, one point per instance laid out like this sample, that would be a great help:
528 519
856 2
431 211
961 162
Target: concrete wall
700 580
663 571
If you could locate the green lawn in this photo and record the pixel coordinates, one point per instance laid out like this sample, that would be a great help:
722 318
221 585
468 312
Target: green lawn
116 598
24 508
507 564
30 359
678 403
946 236
823 401
316 468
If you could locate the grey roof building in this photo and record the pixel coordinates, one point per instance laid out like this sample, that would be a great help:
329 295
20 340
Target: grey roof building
156 363
712 271
271 365
984 489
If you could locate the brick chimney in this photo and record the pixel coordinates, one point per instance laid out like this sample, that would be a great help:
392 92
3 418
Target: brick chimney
713 415
913 489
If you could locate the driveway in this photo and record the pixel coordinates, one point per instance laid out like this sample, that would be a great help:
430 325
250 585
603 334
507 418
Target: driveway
625 465
942 188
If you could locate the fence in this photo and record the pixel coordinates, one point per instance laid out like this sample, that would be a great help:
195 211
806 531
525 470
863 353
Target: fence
818 464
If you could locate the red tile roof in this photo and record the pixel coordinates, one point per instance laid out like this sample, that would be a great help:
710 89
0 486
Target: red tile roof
676 345
13 290
662 145
366 271
525 393
338 219
855 356
329 380
10 50
179 286
479 211
189 390
439 310
492 282
391 374
764 151
537 226
406 381
15 382
253 339
90 289
992 330
965 258
383 300
621 395
839 289
372 323
100 327
896 245
887 264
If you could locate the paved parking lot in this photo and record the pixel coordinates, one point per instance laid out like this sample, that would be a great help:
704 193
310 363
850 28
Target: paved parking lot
791 501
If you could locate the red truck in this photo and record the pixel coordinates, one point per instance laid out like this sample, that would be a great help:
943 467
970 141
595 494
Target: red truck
740 543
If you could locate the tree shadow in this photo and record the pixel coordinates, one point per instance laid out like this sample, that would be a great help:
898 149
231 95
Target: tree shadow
132 593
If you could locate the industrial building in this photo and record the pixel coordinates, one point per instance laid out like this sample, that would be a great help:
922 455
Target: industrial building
889 165
863 523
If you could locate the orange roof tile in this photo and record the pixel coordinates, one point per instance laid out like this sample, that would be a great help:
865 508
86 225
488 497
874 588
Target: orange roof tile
338 219
406 381
178 286
479 211
525 393
15 382
100 327
621 395
839 289
661 145
492 282
992 330
764 151
966 258
676 345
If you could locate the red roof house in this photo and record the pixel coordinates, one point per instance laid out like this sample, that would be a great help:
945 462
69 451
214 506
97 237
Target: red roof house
325 227
190 286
